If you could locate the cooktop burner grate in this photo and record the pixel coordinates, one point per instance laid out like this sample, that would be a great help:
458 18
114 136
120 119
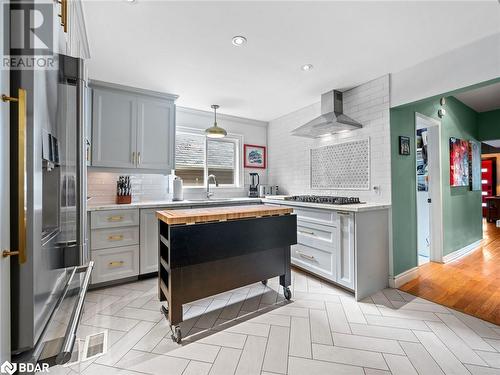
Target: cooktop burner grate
323 199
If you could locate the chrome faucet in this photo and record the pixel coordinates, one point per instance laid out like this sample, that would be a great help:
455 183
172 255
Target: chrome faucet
209 193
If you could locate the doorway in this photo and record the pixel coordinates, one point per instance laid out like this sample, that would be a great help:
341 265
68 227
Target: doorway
428 189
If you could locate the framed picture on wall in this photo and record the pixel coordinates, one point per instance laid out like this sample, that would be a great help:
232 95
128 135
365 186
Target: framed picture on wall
459 162
475 165
255 156
404 145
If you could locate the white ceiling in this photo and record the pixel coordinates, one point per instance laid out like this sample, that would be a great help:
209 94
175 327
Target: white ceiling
482 99
185 47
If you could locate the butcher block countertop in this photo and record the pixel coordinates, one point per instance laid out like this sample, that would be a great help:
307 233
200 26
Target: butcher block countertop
207 214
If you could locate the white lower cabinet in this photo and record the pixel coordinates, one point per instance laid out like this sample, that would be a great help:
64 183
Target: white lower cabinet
149 241
326 244
115 263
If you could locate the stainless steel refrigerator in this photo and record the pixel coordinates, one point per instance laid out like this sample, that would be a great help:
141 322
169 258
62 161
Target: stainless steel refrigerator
50 275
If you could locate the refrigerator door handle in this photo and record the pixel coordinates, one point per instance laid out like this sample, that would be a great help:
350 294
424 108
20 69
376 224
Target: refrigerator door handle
38 349
81 169
21 176
69 340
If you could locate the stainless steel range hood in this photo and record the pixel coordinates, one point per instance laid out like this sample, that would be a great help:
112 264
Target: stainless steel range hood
332 119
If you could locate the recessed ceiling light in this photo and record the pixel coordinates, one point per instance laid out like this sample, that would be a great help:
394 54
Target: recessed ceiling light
306 67
130 1
239 40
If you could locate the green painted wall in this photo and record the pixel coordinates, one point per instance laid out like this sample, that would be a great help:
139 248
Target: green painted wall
462 217
489 125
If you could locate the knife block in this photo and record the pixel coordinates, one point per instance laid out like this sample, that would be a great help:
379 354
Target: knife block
123 199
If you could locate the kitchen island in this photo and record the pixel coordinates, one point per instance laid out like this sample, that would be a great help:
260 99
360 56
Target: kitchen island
206 251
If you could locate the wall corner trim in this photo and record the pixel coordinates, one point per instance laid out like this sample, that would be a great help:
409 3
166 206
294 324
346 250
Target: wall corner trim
457 254
403 277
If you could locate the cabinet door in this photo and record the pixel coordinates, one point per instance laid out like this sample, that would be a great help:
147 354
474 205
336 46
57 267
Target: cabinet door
114 129
149 241
346 246
155 134
77 36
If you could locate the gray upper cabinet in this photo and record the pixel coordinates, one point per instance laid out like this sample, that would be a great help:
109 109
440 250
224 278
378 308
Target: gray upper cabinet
132 128
69 32
114 129
155 130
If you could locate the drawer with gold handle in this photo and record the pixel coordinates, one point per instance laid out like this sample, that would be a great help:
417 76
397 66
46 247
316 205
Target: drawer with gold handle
113 237
306 256
115 263
114 218
317 235
315 260
116 238
310 233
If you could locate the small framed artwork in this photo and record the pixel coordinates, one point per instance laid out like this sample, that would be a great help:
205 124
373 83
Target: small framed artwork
255 156
404 145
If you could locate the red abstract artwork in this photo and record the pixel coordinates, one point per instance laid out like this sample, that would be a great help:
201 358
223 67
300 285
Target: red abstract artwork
459 162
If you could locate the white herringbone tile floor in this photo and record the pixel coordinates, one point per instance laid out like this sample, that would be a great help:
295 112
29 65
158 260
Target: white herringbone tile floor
253 331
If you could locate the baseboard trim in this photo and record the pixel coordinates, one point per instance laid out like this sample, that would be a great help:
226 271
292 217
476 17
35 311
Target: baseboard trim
457 254
403 277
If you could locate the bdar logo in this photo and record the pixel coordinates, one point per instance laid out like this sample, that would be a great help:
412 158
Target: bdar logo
8 368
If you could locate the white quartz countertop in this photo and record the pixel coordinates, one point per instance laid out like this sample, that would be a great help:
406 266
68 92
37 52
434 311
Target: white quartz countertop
171 204
361 207
222 201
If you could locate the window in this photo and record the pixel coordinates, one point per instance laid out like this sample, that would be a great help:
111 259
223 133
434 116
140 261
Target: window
197 156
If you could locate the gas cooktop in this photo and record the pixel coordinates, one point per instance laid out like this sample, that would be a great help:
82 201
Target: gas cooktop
325 199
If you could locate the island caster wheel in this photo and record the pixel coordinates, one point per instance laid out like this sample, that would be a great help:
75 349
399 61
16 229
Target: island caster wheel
176 334
287 293
264 282
164 311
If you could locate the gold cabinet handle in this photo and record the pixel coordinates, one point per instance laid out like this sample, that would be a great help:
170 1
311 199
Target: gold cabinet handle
307 256
64 14
116 263
133 158
138 158
307 232
115 218
21 179
117 237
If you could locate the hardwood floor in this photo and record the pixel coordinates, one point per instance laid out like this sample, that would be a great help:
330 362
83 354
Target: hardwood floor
470 284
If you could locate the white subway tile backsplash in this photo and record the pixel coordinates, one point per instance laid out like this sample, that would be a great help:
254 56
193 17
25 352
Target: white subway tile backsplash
101 186
289 156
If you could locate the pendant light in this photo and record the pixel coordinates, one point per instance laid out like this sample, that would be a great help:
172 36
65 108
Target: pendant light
215 131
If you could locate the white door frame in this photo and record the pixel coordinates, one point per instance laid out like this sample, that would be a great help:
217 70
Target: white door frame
436 192
4 209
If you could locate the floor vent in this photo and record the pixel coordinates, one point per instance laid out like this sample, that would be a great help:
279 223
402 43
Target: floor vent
95 345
